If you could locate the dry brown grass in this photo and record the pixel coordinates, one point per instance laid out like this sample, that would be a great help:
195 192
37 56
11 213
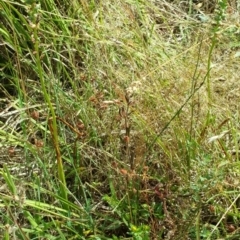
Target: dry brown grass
147 116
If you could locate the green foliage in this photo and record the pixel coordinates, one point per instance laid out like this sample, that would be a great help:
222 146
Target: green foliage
119 120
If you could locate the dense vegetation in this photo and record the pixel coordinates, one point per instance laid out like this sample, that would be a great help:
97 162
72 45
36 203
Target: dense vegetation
119 119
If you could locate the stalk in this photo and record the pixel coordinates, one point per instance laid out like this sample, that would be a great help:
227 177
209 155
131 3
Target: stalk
52 120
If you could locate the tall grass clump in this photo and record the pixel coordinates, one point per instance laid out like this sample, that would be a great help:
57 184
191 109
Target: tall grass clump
119 120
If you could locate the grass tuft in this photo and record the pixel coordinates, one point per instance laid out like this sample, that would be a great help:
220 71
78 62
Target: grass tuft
119 120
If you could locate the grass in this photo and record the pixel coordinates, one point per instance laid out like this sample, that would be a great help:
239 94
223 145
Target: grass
119 120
